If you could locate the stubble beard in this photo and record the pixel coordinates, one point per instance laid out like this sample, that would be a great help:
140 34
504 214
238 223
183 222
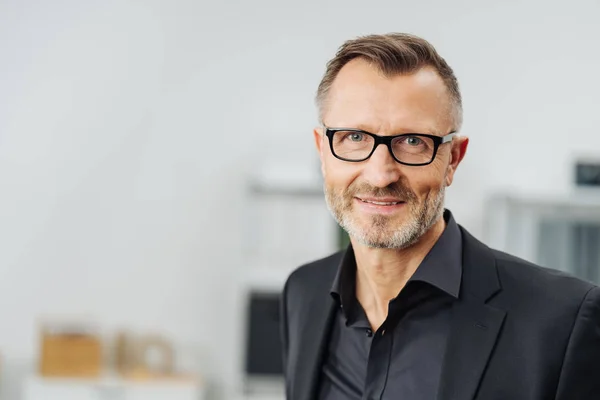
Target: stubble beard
381 231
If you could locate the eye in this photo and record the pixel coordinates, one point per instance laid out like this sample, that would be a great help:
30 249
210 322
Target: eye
413 141
355 136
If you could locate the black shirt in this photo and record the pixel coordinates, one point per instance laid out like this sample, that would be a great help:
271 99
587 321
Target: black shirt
403 359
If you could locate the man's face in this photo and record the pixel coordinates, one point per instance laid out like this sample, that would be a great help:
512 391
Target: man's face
380 202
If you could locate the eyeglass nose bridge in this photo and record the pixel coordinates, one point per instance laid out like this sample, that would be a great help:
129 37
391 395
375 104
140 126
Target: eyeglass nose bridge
386 141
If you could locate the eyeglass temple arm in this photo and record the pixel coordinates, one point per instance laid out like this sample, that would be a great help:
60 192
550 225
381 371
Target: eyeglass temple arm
448 137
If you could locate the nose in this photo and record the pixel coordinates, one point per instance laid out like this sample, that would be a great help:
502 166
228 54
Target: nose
381 169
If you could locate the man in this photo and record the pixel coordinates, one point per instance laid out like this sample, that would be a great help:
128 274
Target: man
416 308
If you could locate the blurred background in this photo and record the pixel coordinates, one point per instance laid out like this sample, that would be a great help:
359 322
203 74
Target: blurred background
158 177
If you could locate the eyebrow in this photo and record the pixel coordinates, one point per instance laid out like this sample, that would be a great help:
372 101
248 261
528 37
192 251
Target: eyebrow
363 127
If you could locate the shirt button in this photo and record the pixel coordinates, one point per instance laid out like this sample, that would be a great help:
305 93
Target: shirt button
369 333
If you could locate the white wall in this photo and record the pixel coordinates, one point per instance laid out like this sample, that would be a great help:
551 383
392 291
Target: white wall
127 128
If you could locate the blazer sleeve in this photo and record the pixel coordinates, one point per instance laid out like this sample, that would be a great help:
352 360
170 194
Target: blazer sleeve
579 377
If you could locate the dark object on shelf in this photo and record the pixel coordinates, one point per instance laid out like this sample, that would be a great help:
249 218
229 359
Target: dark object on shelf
263 340
587 173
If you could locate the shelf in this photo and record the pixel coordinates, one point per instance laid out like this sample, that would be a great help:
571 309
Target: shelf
287 179
261 188
579 197
579 205
109 387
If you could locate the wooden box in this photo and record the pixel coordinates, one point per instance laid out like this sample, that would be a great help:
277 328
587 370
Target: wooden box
65 354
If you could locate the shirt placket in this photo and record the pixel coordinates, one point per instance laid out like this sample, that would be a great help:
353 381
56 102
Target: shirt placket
378 363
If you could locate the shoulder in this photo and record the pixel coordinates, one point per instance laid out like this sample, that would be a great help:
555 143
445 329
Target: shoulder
523 286
318 273
534 289
514 271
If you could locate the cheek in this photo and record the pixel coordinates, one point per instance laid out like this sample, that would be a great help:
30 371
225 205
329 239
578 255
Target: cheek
337 175
427 180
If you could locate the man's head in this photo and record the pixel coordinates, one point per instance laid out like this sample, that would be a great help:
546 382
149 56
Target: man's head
387 192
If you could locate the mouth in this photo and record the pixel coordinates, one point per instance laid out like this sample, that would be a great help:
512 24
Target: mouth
379 206
381 202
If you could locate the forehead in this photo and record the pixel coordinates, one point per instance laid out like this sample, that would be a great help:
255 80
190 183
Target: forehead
361 96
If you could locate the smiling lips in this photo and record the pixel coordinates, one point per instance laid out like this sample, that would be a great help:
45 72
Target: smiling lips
381 201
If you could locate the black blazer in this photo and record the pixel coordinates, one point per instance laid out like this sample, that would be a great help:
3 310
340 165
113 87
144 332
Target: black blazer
518 331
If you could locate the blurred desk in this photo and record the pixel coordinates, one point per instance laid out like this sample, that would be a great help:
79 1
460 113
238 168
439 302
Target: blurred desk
40 388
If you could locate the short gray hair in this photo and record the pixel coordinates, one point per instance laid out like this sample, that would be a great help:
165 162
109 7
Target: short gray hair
393 54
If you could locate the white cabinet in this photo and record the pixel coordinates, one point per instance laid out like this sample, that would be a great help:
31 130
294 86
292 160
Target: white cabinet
54 390
37 388
162 392
560 232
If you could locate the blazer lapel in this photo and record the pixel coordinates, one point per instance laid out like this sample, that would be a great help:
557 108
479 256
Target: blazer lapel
317 316
474 331
475 324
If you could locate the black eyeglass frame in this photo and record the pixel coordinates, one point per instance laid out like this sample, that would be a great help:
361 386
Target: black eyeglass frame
387 141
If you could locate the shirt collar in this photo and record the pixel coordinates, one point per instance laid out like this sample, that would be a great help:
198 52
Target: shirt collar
441 267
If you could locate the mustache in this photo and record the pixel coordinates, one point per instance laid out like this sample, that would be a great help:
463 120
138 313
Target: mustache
394 190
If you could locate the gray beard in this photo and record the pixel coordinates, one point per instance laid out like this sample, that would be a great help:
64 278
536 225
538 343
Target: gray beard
380 233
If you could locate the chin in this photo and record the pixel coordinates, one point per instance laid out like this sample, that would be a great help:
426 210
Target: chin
388 223
374 237
384 232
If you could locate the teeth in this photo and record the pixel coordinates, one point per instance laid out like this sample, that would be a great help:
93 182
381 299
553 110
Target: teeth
381 203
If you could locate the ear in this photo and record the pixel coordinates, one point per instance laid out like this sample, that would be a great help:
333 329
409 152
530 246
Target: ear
457 153
318 134
319 142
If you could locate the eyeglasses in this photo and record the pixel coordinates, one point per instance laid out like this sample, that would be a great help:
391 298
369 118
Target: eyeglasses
356 145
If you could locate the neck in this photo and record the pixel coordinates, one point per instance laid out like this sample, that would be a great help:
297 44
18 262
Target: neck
382 273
